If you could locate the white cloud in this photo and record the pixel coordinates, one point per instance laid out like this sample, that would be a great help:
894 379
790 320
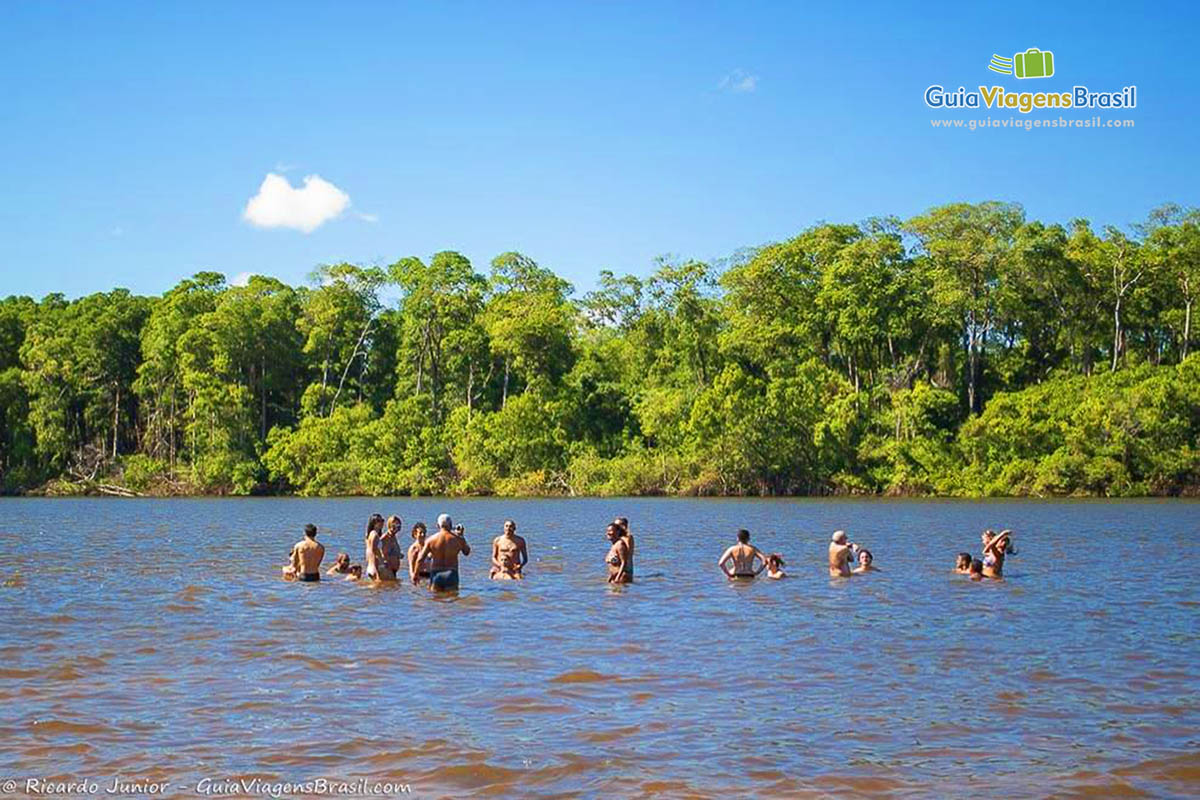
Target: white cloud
280 205
738 81
241 279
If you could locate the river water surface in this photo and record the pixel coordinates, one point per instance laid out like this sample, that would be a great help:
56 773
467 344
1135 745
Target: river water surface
155 640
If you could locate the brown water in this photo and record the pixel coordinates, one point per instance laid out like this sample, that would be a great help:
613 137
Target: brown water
155 640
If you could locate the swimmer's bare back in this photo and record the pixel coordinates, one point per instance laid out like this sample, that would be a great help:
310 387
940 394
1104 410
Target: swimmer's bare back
839 560
306 557
743 557
443 550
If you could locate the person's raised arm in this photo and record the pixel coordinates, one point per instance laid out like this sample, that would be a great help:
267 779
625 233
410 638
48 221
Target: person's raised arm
994 546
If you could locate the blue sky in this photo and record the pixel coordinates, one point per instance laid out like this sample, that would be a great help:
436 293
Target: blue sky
587 135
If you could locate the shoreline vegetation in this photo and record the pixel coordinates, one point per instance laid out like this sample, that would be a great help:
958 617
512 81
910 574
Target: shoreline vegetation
966 352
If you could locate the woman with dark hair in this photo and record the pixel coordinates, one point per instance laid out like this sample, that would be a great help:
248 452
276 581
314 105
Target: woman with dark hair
976 570
421 571
865 559
620 567
962 564
373 556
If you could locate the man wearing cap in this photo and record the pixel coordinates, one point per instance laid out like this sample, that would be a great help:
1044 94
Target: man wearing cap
443 548
839 556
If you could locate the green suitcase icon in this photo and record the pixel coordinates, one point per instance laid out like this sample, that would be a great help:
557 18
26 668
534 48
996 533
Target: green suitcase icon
1033 63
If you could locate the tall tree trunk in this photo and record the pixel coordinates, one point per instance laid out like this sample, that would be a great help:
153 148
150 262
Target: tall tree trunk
504 396
470 387
1187 328
171 428
969 341
116 419
1116 351
262 385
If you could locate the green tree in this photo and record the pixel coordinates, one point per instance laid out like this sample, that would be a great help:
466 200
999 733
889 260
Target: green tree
965 250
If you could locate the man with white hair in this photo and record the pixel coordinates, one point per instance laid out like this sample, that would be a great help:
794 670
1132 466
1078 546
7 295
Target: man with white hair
443 548
839 555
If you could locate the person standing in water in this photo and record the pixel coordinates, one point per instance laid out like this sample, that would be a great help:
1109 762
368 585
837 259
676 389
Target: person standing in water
443 549
839 555
620 568
306 556
742 555
623 522
995 546
509 554
389 548
420 569
373 561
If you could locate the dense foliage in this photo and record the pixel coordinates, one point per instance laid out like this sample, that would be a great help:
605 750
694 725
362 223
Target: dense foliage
967 351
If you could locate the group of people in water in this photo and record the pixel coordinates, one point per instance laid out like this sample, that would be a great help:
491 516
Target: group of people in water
434 559
995 547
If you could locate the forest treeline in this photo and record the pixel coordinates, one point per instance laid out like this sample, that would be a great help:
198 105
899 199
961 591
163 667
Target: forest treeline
966 351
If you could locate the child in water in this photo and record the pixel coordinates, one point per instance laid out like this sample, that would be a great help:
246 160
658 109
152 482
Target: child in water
775 566
962 564
865 559
341 565
976 570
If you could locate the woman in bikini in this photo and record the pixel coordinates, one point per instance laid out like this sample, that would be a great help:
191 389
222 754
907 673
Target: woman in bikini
376 564
620 570
995 547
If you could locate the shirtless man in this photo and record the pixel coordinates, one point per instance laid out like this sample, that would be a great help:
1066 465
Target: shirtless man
306 556
743 555
389 548
443 548
839 555
509 555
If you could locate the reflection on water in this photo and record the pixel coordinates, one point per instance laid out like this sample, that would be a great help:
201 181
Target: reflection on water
155 640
